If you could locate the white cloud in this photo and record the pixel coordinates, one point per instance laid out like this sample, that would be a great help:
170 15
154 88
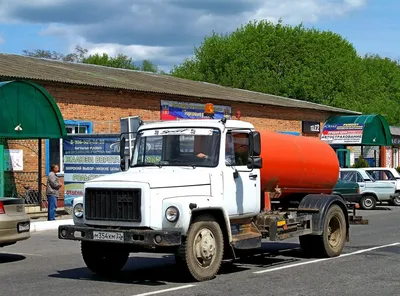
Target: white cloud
160 30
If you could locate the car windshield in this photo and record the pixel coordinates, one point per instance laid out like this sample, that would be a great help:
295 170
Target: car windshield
196 147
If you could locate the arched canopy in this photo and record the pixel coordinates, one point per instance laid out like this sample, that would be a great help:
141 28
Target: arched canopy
27 111
365 130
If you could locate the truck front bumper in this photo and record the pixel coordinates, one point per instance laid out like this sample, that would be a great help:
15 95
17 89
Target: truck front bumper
134 237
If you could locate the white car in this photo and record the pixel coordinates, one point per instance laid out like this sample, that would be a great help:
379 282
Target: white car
372 191
387 175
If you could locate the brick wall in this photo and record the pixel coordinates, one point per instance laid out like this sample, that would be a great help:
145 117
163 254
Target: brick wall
104 108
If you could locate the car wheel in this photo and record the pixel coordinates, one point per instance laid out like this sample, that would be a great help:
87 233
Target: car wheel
396 201
368 202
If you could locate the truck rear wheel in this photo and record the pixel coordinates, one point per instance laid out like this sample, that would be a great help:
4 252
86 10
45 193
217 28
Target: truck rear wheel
103 259
332 240
202 251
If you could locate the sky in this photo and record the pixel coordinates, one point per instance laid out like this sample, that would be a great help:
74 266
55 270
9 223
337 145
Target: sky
166 31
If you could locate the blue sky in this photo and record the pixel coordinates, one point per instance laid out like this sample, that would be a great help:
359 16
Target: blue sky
165 31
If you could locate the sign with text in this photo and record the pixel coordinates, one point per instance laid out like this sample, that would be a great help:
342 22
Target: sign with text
346 133
395 140
172 110
86 158
13 160
310 127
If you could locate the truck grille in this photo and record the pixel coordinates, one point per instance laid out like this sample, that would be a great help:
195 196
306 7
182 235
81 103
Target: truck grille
113 204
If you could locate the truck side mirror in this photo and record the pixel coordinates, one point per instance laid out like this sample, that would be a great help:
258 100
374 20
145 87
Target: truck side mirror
122 164
122 144
254 163
255 144
122 148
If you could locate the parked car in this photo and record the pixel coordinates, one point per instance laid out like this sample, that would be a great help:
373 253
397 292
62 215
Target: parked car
348 190
14 222
372 191
387 175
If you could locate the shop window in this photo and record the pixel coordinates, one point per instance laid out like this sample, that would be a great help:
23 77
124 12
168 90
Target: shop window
236 149
54 147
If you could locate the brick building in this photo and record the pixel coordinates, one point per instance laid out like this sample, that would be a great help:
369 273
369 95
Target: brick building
92 99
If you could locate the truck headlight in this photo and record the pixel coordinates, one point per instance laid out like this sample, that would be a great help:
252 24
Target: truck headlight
172 214
78 210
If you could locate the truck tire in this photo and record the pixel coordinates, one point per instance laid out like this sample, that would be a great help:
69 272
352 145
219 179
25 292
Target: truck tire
103 259
331 242
368 202
202 251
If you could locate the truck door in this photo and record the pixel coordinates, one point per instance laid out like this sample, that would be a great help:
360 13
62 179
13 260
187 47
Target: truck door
241 190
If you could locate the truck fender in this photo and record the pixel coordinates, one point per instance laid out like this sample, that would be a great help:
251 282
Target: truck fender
323 202
219 214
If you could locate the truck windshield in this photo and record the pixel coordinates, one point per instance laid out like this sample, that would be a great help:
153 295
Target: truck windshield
196 147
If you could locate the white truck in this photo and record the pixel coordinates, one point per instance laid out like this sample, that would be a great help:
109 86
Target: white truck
206 189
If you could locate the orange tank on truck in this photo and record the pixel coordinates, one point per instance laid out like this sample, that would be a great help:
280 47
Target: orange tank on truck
297 164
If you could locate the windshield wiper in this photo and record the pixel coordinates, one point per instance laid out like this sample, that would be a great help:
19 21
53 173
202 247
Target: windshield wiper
181 161
148 164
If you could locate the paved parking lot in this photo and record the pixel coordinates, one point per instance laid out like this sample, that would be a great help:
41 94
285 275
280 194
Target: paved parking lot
370 266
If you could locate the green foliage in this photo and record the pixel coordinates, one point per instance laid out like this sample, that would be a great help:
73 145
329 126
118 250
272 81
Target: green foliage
300 63
120 61
80 56
77 56
361 163
398 169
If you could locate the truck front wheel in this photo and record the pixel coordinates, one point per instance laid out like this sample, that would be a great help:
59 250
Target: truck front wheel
331 242
202 251
103 259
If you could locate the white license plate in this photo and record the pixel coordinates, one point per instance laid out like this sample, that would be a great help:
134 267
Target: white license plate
23 227
108 236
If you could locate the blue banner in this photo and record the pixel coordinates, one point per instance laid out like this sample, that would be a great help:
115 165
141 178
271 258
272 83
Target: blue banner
86 158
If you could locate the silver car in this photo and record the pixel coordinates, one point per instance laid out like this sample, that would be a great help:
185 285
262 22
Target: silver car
14 222
372 191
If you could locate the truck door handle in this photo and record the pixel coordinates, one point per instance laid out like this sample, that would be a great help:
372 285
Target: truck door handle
253 176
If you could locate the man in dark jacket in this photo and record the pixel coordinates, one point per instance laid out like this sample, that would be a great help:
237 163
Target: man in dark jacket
52 188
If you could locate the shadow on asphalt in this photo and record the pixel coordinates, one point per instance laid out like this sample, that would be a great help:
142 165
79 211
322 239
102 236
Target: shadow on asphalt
9 257
160 271
379 208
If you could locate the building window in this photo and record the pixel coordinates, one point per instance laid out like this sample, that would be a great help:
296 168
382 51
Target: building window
54 147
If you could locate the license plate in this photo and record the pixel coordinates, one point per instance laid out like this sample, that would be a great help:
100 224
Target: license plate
23 227
108 236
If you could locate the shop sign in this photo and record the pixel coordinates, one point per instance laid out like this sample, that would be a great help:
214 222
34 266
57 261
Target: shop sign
86 158
310 127
395 140
346 133
173 110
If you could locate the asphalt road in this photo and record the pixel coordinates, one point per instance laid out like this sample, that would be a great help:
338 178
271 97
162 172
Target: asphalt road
371 266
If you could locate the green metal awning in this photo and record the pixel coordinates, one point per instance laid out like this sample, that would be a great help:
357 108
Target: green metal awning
28 111
358 130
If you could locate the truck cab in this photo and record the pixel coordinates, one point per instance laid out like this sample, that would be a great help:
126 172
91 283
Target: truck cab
193 188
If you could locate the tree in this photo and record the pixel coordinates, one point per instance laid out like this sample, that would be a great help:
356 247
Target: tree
80 56
295 62
77 56
119 61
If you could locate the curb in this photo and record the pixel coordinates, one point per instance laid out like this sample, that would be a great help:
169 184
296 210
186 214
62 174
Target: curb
48 225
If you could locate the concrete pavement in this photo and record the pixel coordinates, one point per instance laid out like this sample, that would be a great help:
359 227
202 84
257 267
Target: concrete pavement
370 267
